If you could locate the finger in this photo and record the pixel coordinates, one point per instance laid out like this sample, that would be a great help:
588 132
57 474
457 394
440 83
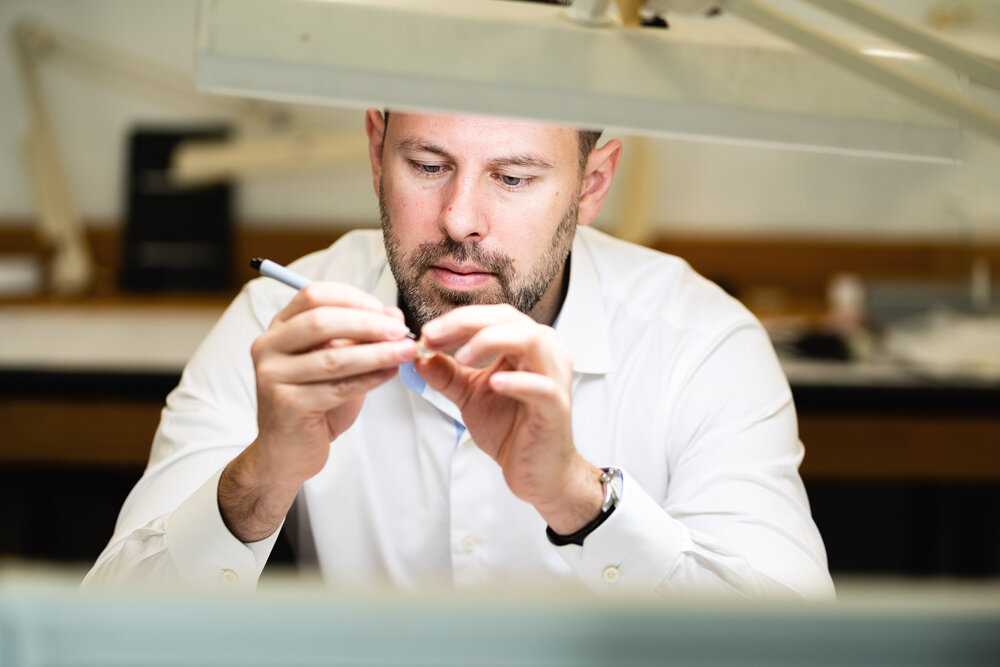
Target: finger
397 313
317 326
340 391
336 363
458 325
393 311
324 396
532 347
441 373
327 293
512 340
528 387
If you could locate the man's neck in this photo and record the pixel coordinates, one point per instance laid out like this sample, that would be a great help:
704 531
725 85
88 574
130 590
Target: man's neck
547 309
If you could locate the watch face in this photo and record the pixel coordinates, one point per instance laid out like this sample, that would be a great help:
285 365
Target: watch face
617 482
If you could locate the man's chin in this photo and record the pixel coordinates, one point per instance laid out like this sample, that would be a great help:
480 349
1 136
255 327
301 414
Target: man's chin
446 299
438 300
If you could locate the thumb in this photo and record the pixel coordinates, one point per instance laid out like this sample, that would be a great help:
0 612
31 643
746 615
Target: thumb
442 374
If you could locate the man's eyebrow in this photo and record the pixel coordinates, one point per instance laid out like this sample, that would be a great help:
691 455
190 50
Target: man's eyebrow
521 160
517 160
414 145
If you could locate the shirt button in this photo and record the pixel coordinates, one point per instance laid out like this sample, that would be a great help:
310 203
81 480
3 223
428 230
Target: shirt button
229 576
611 574
467 544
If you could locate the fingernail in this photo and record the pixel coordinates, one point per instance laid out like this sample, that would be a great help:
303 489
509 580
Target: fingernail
422 352
431 329
462 355
405 350
396 330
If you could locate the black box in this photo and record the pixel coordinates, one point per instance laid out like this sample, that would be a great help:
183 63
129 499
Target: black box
176 237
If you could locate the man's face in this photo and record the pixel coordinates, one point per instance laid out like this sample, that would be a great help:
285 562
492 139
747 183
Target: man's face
478 211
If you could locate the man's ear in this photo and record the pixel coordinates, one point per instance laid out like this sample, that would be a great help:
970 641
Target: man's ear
375 129
597 176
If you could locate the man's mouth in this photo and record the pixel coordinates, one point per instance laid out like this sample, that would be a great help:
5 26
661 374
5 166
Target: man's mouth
454 276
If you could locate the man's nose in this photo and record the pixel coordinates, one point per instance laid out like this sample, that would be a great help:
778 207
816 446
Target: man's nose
463 215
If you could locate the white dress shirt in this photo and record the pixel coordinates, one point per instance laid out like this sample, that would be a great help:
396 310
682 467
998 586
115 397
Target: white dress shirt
674 382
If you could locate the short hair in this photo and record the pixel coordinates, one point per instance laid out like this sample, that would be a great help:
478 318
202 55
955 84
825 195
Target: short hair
588 139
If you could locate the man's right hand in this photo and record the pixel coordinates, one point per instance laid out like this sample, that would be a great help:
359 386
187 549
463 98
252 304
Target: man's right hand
323 352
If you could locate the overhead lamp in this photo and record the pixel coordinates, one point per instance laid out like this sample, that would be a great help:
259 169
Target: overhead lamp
787 85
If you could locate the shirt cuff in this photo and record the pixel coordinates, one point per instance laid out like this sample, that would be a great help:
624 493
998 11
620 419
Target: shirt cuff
203 550
634 550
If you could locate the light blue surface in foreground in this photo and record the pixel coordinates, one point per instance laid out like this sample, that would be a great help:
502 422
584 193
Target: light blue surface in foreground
52 623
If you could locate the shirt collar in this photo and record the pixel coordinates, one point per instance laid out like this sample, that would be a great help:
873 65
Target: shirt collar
385 286
582 323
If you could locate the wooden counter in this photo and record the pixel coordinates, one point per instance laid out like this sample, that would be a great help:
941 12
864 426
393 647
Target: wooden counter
85 384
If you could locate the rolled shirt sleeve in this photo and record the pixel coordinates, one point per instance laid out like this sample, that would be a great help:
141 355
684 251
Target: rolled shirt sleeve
170 530
641 548
190 546
734 516
203 550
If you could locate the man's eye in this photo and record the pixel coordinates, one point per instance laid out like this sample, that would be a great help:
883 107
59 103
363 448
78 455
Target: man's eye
514 182
427 169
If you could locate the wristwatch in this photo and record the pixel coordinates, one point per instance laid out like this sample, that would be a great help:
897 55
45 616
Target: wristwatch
613 482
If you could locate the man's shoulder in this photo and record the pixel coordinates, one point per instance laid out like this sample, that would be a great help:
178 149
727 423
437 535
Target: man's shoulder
651 284
349 259
630 263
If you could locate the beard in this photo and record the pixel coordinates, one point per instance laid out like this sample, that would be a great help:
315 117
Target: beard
426 299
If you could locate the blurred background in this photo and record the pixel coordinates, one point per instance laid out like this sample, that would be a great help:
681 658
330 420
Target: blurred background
876 277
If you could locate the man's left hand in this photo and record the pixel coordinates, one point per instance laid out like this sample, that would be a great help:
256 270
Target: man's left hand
512 380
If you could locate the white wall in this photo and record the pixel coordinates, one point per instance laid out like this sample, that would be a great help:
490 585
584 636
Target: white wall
700 188
92 117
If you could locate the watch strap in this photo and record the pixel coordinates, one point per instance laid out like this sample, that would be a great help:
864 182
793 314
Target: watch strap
607 508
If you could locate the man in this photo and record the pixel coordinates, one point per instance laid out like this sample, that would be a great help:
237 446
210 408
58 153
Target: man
594 412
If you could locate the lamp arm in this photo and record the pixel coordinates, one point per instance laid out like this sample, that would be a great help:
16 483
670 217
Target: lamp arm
115 66
204 162
978 68
591 12
894 78
71 268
